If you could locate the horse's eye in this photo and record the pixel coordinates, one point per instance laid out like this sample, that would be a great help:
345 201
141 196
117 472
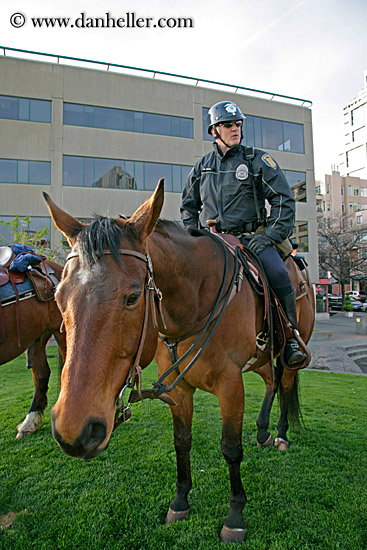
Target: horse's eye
132 299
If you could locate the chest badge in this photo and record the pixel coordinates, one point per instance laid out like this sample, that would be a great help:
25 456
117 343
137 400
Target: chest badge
242 172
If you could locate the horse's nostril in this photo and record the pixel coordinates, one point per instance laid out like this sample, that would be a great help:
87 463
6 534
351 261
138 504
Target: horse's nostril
94 432
98 432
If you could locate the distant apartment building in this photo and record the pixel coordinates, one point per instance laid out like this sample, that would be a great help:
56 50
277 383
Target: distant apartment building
353 160
344 195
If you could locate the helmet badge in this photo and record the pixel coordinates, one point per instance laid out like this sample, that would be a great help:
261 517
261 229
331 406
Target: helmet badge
231 108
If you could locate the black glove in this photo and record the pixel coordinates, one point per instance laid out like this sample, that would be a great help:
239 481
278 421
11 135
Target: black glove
258 242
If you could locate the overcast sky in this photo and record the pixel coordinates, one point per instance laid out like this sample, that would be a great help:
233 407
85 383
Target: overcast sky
311 49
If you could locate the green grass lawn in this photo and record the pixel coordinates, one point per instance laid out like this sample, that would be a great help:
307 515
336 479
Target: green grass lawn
314 496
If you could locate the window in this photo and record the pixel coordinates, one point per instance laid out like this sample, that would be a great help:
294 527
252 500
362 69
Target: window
359 220
36 224
122 174
266 132
300 236
128 121
297 182
25 171
356 192
350 190
19 108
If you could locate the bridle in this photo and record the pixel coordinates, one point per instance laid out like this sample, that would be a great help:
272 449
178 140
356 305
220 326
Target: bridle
152 296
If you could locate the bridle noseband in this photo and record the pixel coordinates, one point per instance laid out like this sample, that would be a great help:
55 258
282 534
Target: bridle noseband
153 296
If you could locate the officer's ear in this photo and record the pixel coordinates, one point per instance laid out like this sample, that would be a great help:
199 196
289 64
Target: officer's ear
213 132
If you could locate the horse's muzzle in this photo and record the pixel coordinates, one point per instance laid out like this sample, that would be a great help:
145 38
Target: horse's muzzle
88 444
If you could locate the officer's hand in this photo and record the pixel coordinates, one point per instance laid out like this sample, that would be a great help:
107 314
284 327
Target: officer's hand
259 242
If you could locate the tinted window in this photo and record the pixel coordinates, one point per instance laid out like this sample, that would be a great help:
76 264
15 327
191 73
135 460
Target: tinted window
129 121
73 114
23 171
40 172
138 122
187 128
297 181
40 111
293 137
8 171
24 109
8 107
175 126
157 124
153 173
112 119
272 134
73 171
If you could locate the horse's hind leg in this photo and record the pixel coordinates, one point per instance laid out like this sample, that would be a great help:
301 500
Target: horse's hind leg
182 420
37 361
231 399
289 407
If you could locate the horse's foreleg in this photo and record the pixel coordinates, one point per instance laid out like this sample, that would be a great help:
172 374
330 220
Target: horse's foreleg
182 420
37 361
231 398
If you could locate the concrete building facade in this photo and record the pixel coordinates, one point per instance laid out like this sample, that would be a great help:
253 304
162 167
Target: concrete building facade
97 141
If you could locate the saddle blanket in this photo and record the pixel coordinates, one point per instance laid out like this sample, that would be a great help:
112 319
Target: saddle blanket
7 293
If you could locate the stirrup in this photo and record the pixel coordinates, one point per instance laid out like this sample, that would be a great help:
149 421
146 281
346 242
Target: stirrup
292 354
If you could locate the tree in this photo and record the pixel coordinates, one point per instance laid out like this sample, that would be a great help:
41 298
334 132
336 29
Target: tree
37 240
342 249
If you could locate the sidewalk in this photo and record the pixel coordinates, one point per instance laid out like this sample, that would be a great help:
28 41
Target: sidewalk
339 331
343 329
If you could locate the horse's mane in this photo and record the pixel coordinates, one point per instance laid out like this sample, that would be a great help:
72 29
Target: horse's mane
105 234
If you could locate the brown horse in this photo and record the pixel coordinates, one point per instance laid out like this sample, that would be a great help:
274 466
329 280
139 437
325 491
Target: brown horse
38 321
105 297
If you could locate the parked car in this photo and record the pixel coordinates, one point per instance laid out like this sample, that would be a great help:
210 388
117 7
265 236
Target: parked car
333 297
337 305
357 295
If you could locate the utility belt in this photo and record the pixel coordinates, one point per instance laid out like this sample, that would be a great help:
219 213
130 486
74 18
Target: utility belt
246 228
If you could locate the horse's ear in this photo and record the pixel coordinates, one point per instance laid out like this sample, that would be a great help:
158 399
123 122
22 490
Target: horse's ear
146 216
68 225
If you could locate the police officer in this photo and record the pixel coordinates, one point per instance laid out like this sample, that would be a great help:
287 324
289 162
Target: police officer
230 185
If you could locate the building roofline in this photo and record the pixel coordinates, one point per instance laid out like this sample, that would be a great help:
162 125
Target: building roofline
106 65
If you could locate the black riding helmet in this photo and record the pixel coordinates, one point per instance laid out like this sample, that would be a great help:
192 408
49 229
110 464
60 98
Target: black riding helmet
224 111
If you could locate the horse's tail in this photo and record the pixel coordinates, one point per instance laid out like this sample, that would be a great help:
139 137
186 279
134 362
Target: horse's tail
289 398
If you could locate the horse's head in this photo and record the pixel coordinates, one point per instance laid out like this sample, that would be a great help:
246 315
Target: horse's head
102 301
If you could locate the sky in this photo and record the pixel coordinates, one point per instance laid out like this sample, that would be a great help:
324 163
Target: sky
309 49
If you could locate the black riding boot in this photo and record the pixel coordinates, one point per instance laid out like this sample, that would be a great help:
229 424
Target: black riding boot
292 354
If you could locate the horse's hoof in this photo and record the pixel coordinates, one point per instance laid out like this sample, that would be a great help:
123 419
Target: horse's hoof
268 443
228 535
30 424
173 516
281 444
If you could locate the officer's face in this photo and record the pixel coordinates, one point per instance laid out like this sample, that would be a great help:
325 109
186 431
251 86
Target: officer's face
232 135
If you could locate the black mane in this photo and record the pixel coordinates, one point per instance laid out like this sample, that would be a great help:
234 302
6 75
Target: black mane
102 234
106 234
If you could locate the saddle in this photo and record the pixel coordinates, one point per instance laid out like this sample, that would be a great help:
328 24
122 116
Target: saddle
41 276
276 328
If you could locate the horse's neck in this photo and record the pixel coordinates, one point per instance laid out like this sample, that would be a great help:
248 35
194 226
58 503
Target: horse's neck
188 272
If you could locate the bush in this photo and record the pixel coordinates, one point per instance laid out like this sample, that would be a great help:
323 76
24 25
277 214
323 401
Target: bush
347 305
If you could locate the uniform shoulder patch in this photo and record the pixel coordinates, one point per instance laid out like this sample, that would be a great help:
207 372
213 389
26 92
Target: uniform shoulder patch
269 161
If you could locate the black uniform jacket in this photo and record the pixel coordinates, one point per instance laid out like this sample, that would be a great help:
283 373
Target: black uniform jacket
220 187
